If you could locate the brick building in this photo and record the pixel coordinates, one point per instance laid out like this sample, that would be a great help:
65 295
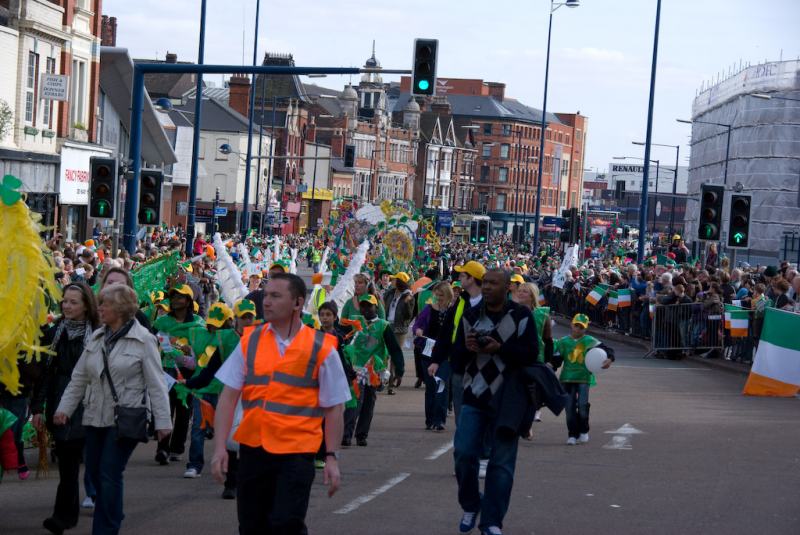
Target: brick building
506 135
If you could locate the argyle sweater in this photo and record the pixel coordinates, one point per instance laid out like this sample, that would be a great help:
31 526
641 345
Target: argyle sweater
515 329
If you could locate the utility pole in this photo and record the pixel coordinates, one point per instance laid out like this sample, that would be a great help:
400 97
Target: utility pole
215 223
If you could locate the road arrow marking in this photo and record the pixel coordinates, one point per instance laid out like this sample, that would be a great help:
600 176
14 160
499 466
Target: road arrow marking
361 500
626 429
622 438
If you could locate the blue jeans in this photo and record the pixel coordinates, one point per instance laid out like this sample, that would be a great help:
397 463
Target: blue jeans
106 457
468 445
197 443
577 408
457 384
435 402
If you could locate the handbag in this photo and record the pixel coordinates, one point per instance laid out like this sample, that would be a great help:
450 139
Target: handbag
131 422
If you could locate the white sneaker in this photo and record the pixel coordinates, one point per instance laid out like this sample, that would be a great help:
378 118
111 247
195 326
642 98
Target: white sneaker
88 503
191 473
571 441
493 530
482 469
537 416
584 438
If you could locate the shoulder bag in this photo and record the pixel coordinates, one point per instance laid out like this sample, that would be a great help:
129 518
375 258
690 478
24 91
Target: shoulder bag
131 422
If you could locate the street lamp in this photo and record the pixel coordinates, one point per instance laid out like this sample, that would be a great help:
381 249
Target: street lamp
674 182
553 7
727 142
645 177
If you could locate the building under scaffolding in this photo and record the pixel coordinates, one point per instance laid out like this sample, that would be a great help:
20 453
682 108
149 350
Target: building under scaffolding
758 107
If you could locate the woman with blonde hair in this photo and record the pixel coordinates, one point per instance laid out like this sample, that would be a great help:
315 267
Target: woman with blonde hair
118 372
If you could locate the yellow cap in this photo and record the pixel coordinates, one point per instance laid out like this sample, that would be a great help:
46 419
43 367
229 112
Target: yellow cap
582 320
403 276
183 289
516 277
244 307
472 268
368 298
218 314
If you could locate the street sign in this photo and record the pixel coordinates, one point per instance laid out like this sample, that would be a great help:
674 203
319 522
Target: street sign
285 220
220 211
552 221
54 86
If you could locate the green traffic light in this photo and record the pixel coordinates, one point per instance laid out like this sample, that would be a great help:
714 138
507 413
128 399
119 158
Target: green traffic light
738 237
423 85
102 208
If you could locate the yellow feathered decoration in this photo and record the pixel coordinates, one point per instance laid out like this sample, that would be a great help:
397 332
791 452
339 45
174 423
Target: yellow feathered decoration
27 282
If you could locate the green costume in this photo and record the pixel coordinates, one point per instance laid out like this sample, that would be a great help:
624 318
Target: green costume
574 354
351 311
368 343
177 329
222 340
541 315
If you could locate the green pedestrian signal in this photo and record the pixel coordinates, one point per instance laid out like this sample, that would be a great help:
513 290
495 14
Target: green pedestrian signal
102 208
738 238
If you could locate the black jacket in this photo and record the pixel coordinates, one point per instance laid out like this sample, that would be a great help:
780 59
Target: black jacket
523 391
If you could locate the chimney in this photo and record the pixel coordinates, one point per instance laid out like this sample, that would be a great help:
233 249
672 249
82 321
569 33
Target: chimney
108 31
497 90
440 105
239 93
172 57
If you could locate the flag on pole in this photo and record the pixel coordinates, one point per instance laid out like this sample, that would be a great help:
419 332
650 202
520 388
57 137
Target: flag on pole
739 323
624 298
597 294
776 368
728 317
613 301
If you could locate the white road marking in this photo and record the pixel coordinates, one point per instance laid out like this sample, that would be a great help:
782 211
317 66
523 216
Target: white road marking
666 368
441 451
616 506
622 438
361 500
626 429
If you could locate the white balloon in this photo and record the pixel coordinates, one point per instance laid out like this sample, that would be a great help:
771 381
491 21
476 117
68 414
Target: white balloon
595 358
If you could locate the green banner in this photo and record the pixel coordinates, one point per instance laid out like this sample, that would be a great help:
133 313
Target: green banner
152 276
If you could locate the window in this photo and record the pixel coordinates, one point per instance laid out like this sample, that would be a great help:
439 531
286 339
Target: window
30 87
562 198
485 173
566 139
565 168
504 149
47 105
78 94
487 129
500 203
483 201
573 198
506 129
503 175
487 150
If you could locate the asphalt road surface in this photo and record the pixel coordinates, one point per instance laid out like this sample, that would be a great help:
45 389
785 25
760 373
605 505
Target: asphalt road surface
675 448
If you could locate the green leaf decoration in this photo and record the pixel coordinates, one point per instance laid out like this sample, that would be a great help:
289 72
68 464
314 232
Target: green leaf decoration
8 188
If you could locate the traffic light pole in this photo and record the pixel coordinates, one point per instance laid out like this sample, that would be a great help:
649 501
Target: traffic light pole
251 109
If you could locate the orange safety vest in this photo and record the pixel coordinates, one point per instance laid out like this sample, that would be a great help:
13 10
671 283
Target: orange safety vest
280 397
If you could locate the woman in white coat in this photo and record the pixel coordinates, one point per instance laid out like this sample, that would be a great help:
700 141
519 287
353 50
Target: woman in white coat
135 369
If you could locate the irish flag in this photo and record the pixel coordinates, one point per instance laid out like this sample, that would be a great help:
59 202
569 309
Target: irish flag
597 294
776 369
613 301
624 298
542 300
736 321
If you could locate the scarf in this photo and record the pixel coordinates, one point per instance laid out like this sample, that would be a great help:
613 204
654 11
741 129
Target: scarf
74 329
111 338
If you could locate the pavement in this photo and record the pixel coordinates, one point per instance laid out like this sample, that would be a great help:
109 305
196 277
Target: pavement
675 449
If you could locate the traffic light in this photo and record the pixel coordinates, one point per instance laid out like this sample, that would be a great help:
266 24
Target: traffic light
574 225
566 232
473 232
349 155
739 221
483 231
102 187
711 199
423 79
619 190
150 197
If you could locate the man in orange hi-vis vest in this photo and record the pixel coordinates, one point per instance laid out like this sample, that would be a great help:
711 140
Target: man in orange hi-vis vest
290 378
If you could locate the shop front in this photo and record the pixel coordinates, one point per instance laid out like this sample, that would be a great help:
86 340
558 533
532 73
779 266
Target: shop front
73 189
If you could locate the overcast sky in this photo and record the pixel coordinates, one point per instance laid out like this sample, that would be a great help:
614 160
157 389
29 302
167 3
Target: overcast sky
600 57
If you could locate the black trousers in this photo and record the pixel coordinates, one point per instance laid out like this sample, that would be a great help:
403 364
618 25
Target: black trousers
359 419
273 492
175 443
67 506
231 477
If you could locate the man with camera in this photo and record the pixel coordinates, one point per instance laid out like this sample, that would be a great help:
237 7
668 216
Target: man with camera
495 338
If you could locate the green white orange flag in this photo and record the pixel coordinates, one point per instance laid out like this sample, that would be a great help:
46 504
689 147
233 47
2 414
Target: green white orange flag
613 301
776 369
737 321
597 294
624 298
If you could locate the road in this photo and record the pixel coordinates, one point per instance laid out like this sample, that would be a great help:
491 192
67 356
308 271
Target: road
706 460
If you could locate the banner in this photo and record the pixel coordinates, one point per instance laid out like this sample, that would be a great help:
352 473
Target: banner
152 275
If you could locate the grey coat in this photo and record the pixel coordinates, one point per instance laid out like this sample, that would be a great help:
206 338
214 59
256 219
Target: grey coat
135 366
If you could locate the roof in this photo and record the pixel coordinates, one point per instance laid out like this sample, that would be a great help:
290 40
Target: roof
218 93
337 165
279 85
217 116
487 107
331 103
170 85
116 80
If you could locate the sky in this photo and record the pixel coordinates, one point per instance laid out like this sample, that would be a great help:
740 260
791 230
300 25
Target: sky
600 58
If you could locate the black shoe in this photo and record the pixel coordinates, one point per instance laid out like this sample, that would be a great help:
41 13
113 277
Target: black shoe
428 427
229 494
346 443
361 441
161 458
53 525
438 427
418 383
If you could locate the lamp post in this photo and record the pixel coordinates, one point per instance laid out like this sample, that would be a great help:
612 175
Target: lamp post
251 109
674 181
648 138
553 7
645 176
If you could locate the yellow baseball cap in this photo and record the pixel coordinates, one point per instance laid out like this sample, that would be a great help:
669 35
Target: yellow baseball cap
403 276
279 266
368 298
157 297
516 277
582 320
472 268
218 314
183 289
244 307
